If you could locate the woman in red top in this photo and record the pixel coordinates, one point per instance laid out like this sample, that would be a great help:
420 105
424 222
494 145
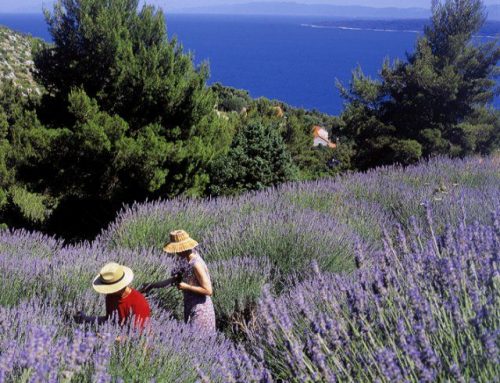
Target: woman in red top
122 301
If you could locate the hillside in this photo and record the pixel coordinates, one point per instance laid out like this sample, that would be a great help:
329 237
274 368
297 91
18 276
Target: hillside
310 266
370 265
16 62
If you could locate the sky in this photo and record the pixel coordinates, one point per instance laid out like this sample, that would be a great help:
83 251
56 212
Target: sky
35 6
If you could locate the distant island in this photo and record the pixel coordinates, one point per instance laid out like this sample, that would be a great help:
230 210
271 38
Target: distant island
298 9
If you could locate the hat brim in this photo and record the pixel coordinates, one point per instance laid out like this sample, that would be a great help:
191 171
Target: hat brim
179 247
103 288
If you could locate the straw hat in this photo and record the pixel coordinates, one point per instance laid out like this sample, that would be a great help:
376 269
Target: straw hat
112 278
180 241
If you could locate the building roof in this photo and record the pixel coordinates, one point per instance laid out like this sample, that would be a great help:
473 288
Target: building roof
320 135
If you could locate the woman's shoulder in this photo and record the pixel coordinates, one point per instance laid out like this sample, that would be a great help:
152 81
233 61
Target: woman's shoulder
198 260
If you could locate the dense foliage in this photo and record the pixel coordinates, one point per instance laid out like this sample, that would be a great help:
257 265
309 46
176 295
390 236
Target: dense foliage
135 118
390 275
126 116
295 127
257 159
23 140
435 102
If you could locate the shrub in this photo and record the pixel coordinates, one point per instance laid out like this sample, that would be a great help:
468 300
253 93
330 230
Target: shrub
238 284
413 300
421 311
257 158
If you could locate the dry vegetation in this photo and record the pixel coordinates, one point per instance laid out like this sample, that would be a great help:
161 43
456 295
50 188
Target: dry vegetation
16 62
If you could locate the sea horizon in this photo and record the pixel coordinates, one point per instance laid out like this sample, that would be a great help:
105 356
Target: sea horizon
293 59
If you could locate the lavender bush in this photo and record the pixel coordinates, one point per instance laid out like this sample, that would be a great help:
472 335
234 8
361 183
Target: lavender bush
387 276
289 238
238 286
37 347
366 202
423 311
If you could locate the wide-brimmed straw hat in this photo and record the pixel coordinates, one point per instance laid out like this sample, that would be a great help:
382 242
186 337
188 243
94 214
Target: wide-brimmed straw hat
180 241
112 278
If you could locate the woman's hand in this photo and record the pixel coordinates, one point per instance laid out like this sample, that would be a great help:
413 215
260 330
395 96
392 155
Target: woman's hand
183 286
120 338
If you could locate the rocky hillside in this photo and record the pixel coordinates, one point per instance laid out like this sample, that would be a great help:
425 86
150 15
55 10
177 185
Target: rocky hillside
16 62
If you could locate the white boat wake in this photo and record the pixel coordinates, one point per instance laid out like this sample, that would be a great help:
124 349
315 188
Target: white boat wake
379 30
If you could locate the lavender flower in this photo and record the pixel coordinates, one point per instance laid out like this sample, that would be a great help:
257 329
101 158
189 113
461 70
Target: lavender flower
345 279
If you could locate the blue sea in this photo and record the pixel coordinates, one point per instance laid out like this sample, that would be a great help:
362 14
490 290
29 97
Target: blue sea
293 59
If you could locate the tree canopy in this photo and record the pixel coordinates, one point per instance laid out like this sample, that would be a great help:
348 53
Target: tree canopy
125 115
435 102
258 158
130 100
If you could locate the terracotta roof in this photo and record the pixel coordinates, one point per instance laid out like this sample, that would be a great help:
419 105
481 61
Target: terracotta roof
321 134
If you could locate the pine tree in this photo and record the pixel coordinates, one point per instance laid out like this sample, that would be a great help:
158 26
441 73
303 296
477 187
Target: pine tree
112 66
436 102
257 159
125 116
23 141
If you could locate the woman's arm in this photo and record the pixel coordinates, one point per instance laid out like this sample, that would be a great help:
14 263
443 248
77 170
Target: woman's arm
147 287
205 287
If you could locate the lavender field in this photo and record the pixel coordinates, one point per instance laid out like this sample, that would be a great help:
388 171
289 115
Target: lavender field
386 276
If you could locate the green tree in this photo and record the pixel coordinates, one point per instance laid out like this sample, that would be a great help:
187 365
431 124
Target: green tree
128 114
231 99
5 169
257 159
99 158
142 88
313 162
295 126
435 102
23 140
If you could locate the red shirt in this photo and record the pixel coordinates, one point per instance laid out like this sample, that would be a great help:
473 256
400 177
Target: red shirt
133 304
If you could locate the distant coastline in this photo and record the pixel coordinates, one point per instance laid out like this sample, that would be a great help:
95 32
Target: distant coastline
491 30
289 8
